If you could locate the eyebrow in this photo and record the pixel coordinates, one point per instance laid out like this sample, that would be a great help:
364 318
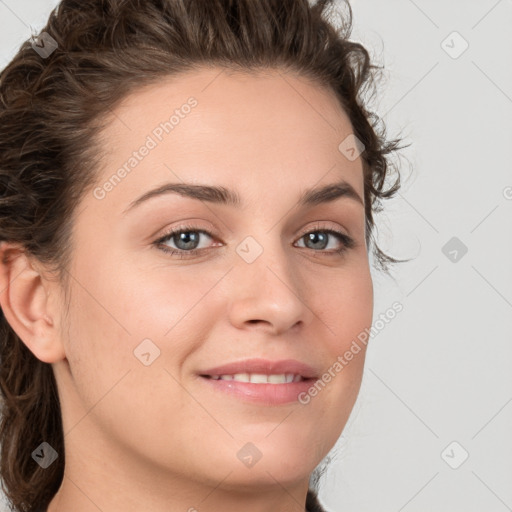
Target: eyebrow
225 196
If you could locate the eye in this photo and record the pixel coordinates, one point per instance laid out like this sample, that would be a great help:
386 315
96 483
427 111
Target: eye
318 239
186 245
186 240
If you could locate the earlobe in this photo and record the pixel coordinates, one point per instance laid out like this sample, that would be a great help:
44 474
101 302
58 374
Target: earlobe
25 305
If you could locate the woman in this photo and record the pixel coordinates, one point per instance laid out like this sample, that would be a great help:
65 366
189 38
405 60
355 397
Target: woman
188 190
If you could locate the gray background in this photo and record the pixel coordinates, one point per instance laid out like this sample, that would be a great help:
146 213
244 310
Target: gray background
439 373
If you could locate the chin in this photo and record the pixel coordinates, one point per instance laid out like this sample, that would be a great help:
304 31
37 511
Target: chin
286 473
282 458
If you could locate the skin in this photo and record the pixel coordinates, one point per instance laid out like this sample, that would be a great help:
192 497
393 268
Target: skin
156 437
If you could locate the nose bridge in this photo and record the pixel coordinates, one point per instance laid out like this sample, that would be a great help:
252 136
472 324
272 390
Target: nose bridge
263 255
268 284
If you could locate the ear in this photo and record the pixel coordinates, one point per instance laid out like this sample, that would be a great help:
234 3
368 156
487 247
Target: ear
29 303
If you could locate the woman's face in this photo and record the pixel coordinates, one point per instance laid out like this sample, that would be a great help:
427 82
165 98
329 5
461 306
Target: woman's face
146 327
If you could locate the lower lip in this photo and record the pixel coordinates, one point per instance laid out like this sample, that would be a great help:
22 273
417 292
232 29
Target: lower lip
266 394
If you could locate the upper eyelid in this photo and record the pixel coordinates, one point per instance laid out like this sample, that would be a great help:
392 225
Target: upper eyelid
347 241
211 233
184 229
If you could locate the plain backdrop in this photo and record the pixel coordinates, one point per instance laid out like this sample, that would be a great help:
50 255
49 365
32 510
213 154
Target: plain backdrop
431 429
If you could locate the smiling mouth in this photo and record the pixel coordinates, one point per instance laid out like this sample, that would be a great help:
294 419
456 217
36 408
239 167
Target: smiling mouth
260 382
259 378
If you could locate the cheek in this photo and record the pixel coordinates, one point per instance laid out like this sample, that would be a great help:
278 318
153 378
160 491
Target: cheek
127 317
98 343
345 305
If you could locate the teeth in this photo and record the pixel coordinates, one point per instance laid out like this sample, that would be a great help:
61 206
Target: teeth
261 378
276 379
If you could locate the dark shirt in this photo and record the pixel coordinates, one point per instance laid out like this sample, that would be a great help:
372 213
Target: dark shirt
312 503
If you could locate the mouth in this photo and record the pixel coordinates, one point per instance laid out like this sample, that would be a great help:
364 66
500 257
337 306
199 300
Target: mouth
259 378
262 371
260 381
258 389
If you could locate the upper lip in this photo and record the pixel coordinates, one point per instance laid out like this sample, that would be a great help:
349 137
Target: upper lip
263 366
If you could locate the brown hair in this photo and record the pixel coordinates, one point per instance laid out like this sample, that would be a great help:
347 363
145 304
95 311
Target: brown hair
52 108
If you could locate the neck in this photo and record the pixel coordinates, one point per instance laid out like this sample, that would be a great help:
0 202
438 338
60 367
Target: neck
115 484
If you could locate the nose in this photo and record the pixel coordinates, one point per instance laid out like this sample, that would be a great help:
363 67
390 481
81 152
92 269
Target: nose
268 293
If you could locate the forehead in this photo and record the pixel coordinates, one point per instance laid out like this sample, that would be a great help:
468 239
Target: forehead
246 130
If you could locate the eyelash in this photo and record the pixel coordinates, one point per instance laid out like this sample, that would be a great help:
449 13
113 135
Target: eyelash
347 241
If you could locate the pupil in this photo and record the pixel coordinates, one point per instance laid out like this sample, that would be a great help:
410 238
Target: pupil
313 236
183 237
